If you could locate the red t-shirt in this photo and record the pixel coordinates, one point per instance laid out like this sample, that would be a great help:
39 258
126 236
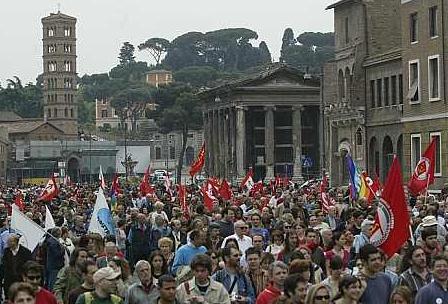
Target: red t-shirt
43 296
268 295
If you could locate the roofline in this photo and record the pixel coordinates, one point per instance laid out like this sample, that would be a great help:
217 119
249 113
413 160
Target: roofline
340 2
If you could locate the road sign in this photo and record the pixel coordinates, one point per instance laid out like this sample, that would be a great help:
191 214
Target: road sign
307 162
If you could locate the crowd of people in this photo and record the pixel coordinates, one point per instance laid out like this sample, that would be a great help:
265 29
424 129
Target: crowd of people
274 245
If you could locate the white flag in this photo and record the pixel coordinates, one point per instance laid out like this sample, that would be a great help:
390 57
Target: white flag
101 179
30 232
101 221
49 221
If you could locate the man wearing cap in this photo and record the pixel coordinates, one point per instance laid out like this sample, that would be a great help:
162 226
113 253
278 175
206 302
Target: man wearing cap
431 221
105 280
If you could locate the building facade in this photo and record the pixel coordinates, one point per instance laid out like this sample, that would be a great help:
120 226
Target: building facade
59 72
159 77
268 121
398 48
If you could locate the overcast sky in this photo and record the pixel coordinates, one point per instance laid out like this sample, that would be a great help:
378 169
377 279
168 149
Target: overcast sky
103 25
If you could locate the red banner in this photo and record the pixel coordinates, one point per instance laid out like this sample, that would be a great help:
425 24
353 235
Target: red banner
424 171
196 167
391 228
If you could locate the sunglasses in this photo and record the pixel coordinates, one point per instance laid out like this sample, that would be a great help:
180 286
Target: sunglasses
327 297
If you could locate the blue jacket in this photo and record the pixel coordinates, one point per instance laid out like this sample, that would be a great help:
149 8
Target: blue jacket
185 254
243 286
432 293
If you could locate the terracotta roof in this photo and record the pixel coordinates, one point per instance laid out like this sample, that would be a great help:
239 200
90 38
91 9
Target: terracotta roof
25 126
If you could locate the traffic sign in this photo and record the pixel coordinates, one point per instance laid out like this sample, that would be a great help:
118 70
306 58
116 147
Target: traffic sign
307 162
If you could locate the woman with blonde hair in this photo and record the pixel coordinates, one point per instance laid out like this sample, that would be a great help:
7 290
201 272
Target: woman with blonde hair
166 245
318 294
401 295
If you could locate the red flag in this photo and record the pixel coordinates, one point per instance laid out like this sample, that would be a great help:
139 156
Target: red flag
248 182
326 200
214 182
391 228
258 187
424 171
374 187
145 186
182 195
199 163
51 191
224 191
115 188
19 200
207 195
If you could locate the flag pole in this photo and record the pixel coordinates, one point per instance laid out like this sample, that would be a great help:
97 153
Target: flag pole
427 185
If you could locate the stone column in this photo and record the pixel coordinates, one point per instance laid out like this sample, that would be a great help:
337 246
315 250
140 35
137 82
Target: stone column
269 143
215 130
209 142
232 143
221 143
226 143
206 138
240 143
297 142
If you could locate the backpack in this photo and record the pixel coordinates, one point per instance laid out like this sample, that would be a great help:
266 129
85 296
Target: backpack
88 296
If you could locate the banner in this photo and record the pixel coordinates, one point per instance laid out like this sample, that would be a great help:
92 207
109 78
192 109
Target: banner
196 167
49 221
30 232
423 175
101 221
391 228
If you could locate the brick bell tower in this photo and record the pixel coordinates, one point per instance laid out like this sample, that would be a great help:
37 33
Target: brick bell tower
59 60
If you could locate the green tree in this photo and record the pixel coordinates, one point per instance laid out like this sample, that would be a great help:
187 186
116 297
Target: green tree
130 103
316 39
265 54
86 112
126 55
197 76
24 100
156 47
287 41
183 116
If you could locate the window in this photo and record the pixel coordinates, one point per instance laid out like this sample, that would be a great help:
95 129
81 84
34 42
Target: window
400 88
158 153
413 28
71 113
372 93
434 77
415 150
347 40
393 81
48 113
433 21
172 152
103 113
51 48
67 66
65 112
55 112
414 81
437 136
50 32
386 91
67 31
67 48
52 66
379 90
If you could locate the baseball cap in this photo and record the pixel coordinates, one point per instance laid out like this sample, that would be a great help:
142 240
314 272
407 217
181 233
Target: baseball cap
367 222
107 273
429 220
